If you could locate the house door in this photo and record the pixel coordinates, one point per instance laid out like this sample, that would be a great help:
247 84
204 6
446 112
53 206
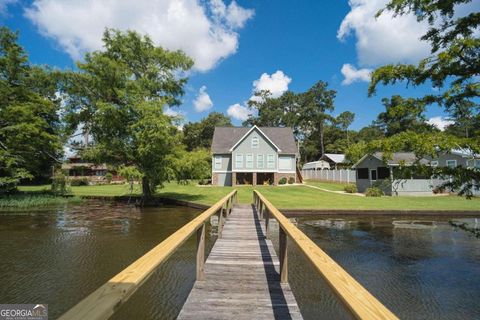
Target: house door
373 174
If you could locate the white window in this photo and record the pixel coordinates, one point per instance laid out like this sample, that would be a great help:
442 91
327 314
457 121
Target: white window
254 142
239 161
451 163
434 163
271 161
249 161
260 161
285 163
218 162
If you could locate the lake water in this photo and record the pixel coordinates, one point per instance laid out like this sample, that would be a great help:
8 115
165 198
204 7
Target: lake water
424 270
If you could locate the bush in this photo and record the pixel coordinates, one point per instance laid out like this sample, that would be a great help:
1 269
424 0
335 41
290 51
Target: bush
291 180
79 182
109 177
59 184
282 180
374 192
350 188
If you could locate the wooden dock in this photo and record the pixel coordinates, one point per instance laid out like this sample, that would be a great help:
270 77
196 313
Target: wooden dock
241 275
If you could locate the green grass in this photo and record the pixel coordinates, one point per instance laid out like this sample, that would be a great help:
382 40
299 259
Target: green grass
287 197
21 201
333 186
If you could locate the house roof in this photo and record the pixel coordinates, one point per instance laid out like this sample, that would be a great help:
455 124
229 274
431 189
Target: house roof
91 166
404 158
224 138
316 164
334 157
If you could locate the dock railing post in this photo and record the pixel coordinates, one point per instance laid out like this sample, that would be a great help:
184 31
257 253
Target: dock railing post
283 256
201 253
220 221
267 218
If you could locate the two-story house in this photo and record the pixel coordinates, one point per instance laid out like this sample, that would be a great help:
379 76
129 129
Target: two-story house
256 155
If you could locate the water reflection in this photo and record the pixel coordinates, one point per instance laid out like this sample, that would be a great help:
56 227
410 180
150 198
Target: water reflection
421 268
60 255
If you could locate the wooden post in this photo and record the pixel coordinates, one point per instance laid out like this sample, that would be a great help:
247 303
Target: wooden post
220 222
201 253
283 256
267 218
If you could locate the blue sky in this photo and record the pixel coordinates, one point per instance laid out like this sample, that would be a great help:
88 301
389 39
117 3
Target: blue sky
292 44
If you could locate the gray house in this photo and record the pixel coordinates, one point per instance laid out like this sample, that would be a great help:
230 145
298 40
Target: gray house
256 155
372 170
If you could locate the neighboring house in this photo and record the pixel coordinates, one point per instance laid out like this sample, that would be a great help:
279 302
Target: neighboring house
335 160
316 165
372 170
75 168
256 155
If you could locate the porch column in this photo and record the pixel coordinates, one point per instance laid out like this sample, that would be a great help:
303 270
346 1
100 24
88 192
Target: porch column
254 178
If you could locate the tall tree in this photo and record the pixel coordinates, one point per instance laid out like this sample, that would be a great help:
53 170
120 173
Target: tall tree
118 96
344 120
314 107
200 134
402 114
30 129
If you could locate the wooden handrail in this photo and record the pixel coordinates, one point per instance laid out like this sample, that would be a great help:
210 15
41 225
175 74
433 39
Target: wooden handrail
359 301
103 302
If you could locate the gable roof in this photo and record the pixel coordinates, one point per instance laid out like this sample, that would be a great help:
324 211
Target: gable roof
406 158
248 132
334 157
225 138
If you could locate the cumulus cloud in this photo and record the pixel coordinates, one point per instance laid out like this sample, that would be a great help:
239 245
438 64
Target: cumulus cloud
238 112
171 112
277 83
440 122
385 39
206 31
353 74
202 102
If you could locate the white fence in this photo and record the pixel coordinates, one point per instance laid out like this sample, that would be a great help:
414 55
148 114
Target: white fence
342 175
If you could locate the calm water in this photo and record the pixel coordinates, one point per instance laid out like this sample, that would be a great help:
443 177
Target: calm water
425 270
420 270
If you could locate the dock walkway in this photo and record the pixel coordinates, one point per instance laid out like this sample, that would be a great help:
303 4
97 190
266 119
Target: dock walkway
242 278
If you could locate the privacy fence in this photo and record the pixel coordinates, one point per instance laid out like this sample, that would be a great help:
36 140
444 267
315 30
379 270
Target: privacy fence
342 175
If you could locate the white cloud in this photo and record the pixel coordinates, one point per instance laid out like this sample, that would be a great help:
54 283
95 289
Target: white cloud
385 39
277 83
239 112
171 112
4 6
206 31
440 122
353 74
202 102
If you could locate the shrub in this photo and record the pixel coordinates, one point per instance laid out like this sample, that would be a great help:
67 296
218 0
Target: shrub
350 188
79 182
109 177
291 180
59 184
282 180
374 192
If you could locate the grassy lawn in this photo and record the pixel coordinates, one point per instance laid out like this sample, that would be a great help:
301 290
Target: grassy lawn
287 197
333 186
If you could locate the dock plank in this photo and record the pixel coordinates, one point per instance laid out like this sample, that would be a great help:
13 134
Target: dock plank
242 278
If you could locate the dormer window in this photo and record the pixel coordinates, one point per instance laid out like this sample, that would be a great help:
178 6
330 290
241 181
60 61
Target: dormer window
254 142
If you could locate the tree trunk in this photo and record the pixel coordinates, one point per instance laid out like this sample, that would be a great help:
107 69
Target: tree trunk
146 190
322 148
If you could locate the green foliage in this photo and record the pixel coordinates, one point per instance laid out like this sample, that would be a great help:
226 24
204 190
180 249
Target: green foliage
22 201
30 127
109 177
200 134
83 181
60 184
282 180
291 180
350 188
373 192
130 173
194 165
118 97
